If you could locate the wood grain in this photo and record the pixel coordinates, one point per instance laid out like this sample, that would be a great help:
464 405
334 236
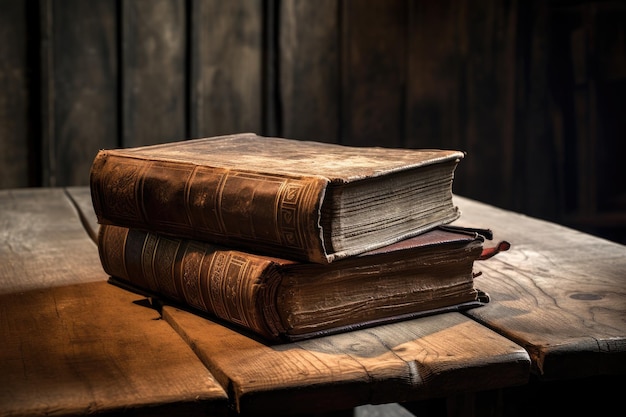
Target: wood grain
154 71
424 358
42 242
309 70
558 292
79 87
95 348
226 69
72 342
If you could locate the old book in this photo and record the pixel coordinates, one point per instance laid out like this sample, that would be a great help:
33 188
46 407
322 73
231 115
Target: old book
302 200
283 300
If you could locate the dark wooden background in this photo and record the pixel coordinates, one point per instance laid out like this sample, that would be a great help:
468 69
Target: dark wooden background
534 91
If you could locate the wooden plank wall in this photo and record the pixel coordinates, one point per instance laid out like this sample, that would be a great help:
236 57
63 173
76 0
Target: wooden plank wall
533 91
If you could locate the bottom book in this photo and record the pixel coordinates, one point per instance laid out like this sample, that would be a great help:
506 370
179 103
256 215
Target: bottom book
283 300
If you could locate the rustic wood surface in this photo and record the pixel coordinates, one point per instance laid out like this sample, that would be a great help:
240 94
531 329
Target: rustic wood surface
93 348
429 357
79 88
226 84
81 198
557 304
558 292
73 343
154 59
42 241
312 52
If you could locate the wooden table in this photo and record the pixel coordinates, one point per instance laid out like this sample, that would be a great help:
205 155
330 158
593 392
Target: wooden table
75 344
561 294
72 343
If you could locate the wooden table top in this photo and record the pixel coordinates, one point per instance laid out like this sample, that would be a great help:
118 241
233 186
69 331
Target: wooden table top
559 293
76 344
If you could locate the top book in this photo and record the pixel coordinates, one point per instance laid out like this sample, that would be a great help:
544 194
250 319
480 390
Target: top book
301 200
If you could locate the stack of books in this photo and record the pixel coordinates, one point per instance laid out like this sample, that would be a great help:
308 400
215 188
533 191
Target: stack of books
287 239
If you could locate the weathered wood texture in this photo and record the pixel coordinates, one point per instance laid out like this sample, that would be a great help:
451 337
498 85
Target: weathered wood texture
79 87
153 71
71 342
533 91
43 243
227 67
94 348
558 292
309 61
393 363
425 358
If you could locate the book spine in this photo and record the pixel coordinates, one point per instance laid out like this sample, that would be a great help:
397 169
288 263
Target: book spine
229 285
272 214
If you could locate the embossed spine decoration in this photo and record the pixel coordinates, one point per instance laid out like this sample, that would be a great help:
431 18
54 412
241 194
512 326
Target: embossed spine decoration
223 283
212 204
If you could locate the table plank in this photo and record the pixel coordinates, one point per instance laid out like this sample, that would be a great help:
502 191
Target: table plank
418 359
71 342
42 241
90 348
557 292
